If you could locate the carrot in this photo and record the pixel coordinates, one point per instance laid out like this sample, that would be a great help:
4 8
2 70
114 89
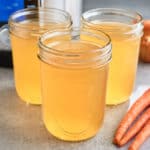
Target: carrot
141 137
135 110
136 127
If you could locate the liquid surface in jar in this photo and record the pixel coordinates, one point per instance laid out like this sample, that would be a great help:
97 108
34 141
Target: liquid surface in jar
73 99
24 41
125 51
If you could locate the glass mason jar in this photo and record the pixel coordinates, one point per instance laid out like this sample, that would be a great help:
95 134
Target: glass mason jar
74 68
25 27
125 29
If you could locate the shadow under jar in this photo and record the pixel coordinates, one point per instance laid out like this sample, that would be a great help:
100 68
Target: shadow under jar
125 29
25 27
74 68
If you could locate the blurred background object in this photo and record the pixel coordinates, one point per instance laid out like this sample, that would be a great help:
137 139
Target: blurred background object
74 7
30 3
7 7
75 10
145 43
59 4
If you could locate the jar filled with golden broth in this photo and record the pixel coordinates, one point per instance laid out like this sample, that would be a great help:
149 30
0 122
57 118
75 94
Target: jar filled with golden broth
74 69
25 27
125 29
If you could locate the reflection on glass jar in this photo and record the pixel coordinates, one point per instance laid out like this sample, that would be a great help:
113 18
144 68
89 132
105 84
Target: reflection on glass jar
25 28
74 68
125 30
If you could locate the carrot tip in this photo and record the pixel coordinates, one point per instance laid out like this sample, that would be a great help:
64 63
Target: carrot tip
116 141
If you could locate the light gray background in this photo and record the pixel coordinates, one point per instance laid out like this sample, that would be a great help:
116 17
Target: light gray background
142 6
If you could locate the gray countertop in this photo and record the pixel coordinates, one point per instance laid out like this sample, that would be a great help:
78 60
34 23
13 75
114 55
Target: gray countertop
21 126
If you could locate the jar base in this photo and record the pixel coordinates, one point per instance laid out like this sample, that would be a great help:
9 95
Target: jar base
121 101
71 137
28 100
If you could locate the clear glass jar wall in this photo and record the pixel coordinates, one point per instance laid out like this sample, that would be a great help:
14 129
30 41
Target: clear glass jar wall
25 28
74 68
125 29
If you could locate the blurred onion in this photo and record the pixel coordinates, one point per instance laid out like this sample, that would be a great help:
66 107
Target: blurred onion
145 43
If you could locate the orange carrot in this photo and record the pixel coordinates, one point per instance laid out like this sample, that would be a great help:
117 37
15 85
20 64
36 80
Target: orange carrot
141 137
136 127
135 110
